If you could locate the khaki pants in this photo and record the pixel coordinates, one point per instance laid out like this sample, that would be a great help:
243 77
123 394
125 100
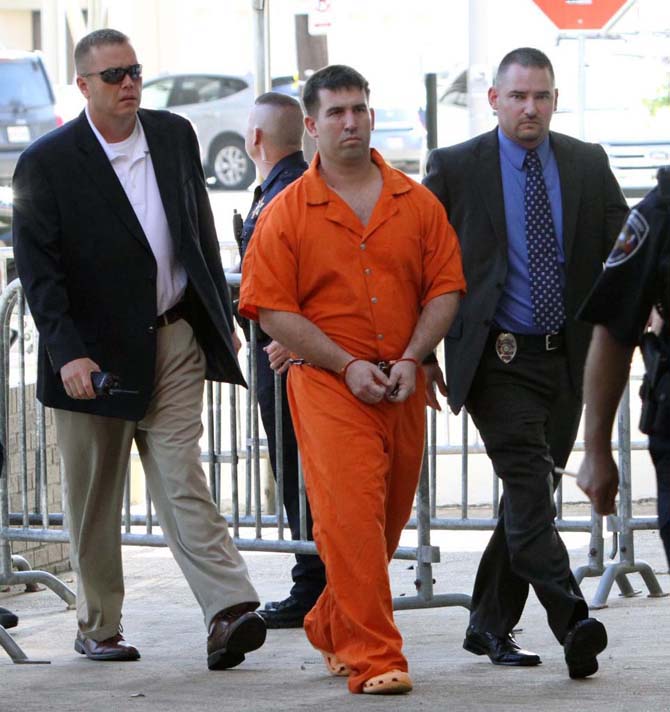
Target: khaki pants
96 451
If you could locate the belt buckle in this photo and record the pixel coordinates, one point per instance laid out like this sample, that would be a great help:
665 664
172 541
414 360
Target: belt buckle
547 342
384 367
506 346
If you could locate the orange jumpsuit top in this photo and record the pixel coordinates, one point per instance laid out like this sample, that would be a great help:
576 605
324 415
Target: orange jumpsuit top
362 286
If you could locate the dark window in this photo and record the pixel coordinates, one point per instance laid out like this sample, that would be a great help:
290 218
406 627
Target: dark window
156 94
23 84
201 89
231 85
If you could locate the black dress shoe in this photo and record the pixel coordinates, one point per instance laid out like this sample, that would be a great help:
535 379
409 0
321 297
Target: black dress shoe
503 650
8 619
114 648
583 642
233 632
289 613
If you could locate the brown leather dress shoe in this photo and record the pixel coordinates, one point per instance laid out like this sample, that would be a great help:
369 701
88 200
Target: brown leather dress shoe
233 632
114 648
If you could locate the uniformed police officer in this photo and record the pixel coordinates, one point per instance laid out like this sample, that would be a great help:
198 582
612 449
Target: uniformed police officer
273 142
636 279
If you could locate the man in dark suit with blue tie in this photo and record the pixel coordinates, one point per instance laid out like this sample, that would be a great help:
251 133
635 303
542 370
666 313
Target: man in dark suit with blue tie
536 213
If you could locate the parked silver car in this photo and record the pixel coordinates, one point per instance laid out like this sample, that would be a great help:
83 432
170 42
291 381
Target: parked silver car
399 136
27 106
218 106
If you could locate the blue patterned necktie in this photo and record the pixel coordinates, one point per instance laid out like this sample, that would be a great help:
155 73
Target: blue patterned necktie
545 281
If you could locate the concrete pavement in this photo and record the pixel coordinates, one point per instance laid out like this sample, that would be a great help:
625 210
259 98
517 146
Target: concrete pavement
161 618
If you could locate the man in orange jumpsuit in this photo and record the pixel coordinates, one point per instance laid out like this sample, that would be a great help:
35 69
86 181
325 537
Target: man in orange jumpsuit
355 269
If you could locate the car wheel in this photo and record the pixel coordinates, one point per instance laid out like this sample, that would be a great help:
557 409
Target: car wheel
230 166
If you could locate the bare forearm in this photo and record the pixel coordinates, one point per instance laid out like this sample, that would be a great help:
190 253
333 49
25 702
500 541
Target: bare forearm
605 377
432 326
304 339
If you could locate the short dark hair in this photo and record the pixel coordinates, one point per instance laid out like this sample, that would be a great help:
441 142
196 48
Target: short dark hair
332 77
283 127
526 57
97 38
275 98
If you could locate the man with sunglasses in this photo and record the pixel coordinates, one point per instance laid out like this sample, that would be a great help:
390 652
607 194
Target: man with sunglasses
116 248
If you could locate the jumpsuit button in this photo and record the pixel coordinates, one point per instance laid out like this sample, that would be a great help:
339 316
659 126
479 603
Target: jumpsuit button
367 271
374 300
362 246
380 336
151 329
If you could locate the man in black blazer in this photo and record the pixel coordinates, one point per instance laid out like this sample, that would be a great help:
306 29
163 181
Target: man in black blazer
536 213
116 249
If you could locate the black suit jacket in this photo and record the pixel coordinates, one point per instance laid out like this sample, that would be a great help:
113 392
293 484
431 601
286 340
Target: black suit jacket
468 181
87 269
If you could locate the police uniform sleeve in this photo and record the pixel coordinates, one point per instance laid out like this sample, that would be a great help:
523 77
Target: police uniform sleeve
622 298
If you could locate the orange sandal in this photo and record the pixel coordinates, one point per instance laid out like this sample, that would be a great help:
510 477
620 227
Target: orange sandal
394 682
335 665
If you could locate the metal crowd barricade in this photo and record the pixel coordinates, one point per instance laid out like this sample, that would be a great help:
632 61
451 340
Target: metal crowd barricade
233 437
623 526
12 297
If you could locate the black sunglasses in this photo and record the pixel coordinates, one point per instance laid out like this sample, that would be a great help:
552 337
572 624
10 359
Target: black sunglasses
115 75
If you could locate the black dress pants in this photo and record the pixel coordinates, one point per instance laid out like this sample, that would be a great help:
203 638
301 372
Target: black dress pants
309 575
659 449
527 414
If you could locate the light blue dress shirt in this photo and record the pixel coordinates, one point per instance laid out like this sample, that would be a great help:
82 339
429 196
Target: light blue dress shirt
515 309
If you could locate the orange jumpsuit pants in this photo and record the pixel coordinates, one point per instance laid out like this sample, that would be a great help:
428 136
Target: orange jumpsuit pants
362 465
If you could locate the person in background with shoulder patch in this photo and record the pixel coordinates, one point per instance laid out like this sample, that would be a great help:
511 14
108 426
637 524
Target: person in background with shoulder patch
274 143
635 283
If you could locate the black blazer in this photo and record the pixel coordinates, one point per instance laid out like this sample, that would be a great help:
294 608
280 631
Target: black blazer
87 269
468 181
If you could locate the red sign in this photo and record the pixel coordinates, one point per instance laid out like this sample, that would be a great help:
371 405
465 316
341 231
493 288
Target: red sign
582 14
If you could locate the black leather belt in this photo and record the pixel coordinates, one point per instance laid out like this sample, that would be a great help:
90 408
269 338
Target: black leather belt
536 343
178 311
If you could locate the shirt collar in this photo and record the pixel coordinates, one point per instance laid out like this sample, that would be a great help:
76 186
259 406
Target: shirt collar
291 159
516 154
141 147
318 191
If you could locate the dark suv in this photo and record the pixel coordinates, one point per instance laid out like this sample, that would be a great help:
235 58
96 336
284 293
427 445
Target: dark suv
27 106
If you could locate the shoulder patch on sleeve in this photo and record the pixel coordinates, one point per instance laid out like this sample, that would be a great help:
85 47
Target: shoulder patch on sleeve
632 235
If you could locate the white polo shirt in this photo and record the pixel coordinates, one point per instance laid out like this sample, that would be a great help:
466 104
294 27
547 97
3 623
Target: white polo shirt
132 164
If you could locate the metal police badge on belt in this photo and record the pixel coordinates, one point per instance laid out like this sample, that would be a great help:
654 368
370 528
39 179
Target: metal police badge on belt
506 346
